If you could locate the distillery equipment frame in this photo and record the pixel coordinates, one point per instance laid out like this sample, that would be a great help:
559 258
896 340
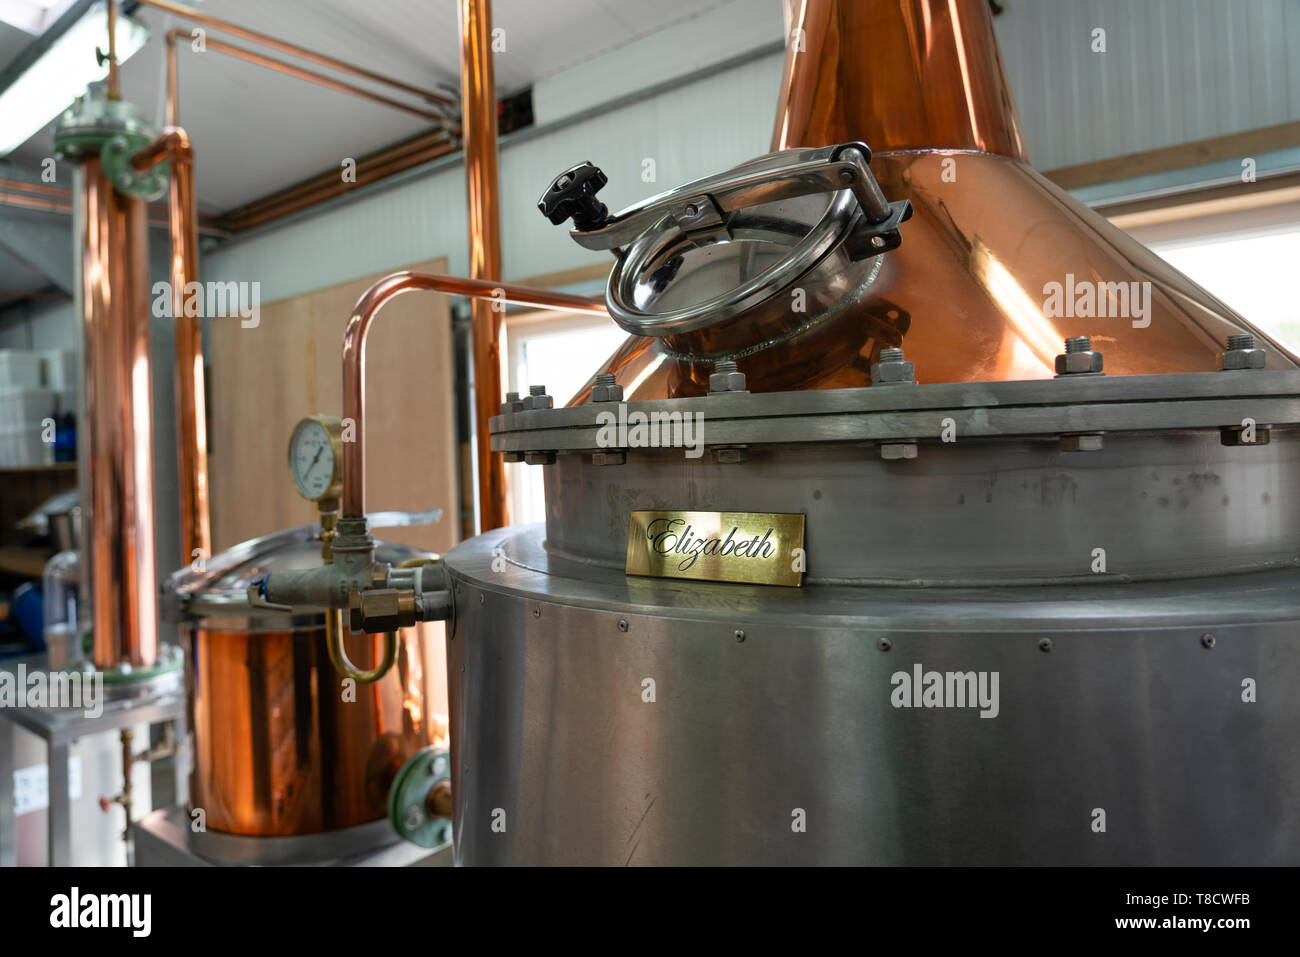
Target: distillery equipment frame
60 729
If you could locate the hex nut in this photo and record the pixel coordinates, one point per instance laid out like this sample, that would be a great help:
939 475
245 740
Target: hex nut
538 402
727 382
1082 442
894 451
1235 359
512 404
513 456
539 458
1078 363
893 372
618 457
729 456
606 393
382 610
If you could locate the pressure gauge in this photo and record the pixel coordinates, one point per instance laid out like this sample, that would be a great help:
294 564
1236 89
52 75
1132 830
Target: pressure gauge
316 457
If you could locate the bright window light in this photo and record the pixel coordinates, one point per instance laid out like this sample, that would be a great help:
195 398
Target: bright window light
1255 275
32 16
48 86
561 352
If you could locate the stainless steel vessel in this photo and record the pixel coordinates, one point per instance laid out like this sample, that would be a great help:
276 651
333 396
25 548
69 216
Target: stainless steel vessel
1048 612
1139 688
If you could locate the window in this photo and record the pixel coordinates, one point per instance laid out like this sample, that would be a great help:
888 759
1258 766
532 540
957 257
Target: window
1240 243
1255 275
561 351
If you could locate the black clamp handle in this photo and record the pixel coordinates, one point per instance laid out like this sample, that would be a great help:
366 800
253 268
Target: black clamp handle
572 195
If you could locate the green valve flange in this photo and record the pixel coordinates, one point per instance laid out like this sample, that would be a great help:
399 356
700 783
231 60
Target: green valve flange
115 160
409 798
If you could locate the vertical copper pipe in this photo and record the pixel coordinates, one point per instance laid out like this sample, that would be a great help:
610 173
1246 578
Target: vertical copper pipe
116 440
479 128
944 83
173 144
114 91
171 116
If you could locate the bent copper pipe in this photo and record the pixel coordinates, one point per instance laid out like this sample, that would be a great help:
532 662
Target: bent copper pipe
173 145
319 79
188 13
354 352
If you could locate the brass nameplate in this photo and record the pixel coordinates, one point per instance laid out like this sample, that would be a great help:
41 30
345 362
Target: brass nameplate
757 548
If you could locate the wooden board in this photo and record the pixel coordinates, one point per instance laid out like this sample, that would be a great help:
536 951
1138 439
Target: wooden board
262 380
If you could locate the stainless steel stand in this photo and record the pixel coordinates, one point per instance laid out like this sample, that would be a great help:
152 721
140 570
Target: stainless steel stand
159 700
166 838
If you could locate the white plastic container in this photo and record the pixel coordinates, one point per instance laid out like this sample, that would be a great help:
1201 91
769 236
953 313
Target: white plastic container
20 369
25 408
61 373
25 447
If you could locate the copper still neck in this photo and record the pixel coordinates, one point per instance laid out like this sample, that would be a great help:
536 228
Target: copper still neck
909 75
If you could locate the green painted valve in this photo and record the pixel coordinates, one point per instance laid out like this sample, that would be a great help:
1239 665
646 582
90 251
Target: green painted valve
419 799
115 160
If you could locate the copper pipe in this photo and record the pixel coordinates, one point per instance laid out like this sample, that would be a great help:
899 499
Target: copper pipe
116 442
418 147
21 200
907 74
329 185
354 351
114 87
479 122
35 188
188 13
32 202
402 157
172 111
173 145
317 78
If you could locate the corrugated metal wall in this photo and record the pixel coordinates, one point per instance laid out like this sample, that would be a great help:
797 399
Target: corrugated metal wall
1173 71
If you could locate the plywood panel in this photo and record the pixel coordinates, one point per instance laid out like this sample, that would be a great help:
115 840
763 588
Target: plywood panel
264 379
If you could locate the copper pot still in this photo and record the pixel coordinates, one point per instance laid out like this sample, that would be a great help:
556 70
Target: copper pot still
922 83
282 744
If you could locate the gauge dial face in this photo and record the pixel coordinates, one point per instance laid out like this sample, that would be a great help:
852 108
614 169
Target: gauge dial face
312 459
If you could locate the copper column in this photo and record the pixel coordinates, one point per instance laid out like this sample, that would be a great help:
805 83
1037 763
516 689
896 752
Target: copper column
479 127
173 145
115 444
902 75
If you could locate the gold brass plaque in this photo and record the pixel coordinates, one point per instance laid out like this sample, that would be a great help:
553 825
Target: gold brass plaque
756 548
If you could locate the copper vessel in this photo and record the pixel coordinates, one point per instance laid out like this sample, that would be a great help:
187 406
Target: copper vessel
282 744
969 293
116 442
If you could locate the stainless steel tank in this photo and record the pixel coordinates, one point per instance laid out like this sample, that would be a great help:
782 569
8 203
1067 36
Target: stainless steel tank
1037 612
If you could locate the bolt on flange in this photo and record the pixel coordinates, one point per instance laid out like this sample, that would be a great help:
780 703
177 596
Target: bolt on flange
726 377
1079 358
892 369
606 388
1242 354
